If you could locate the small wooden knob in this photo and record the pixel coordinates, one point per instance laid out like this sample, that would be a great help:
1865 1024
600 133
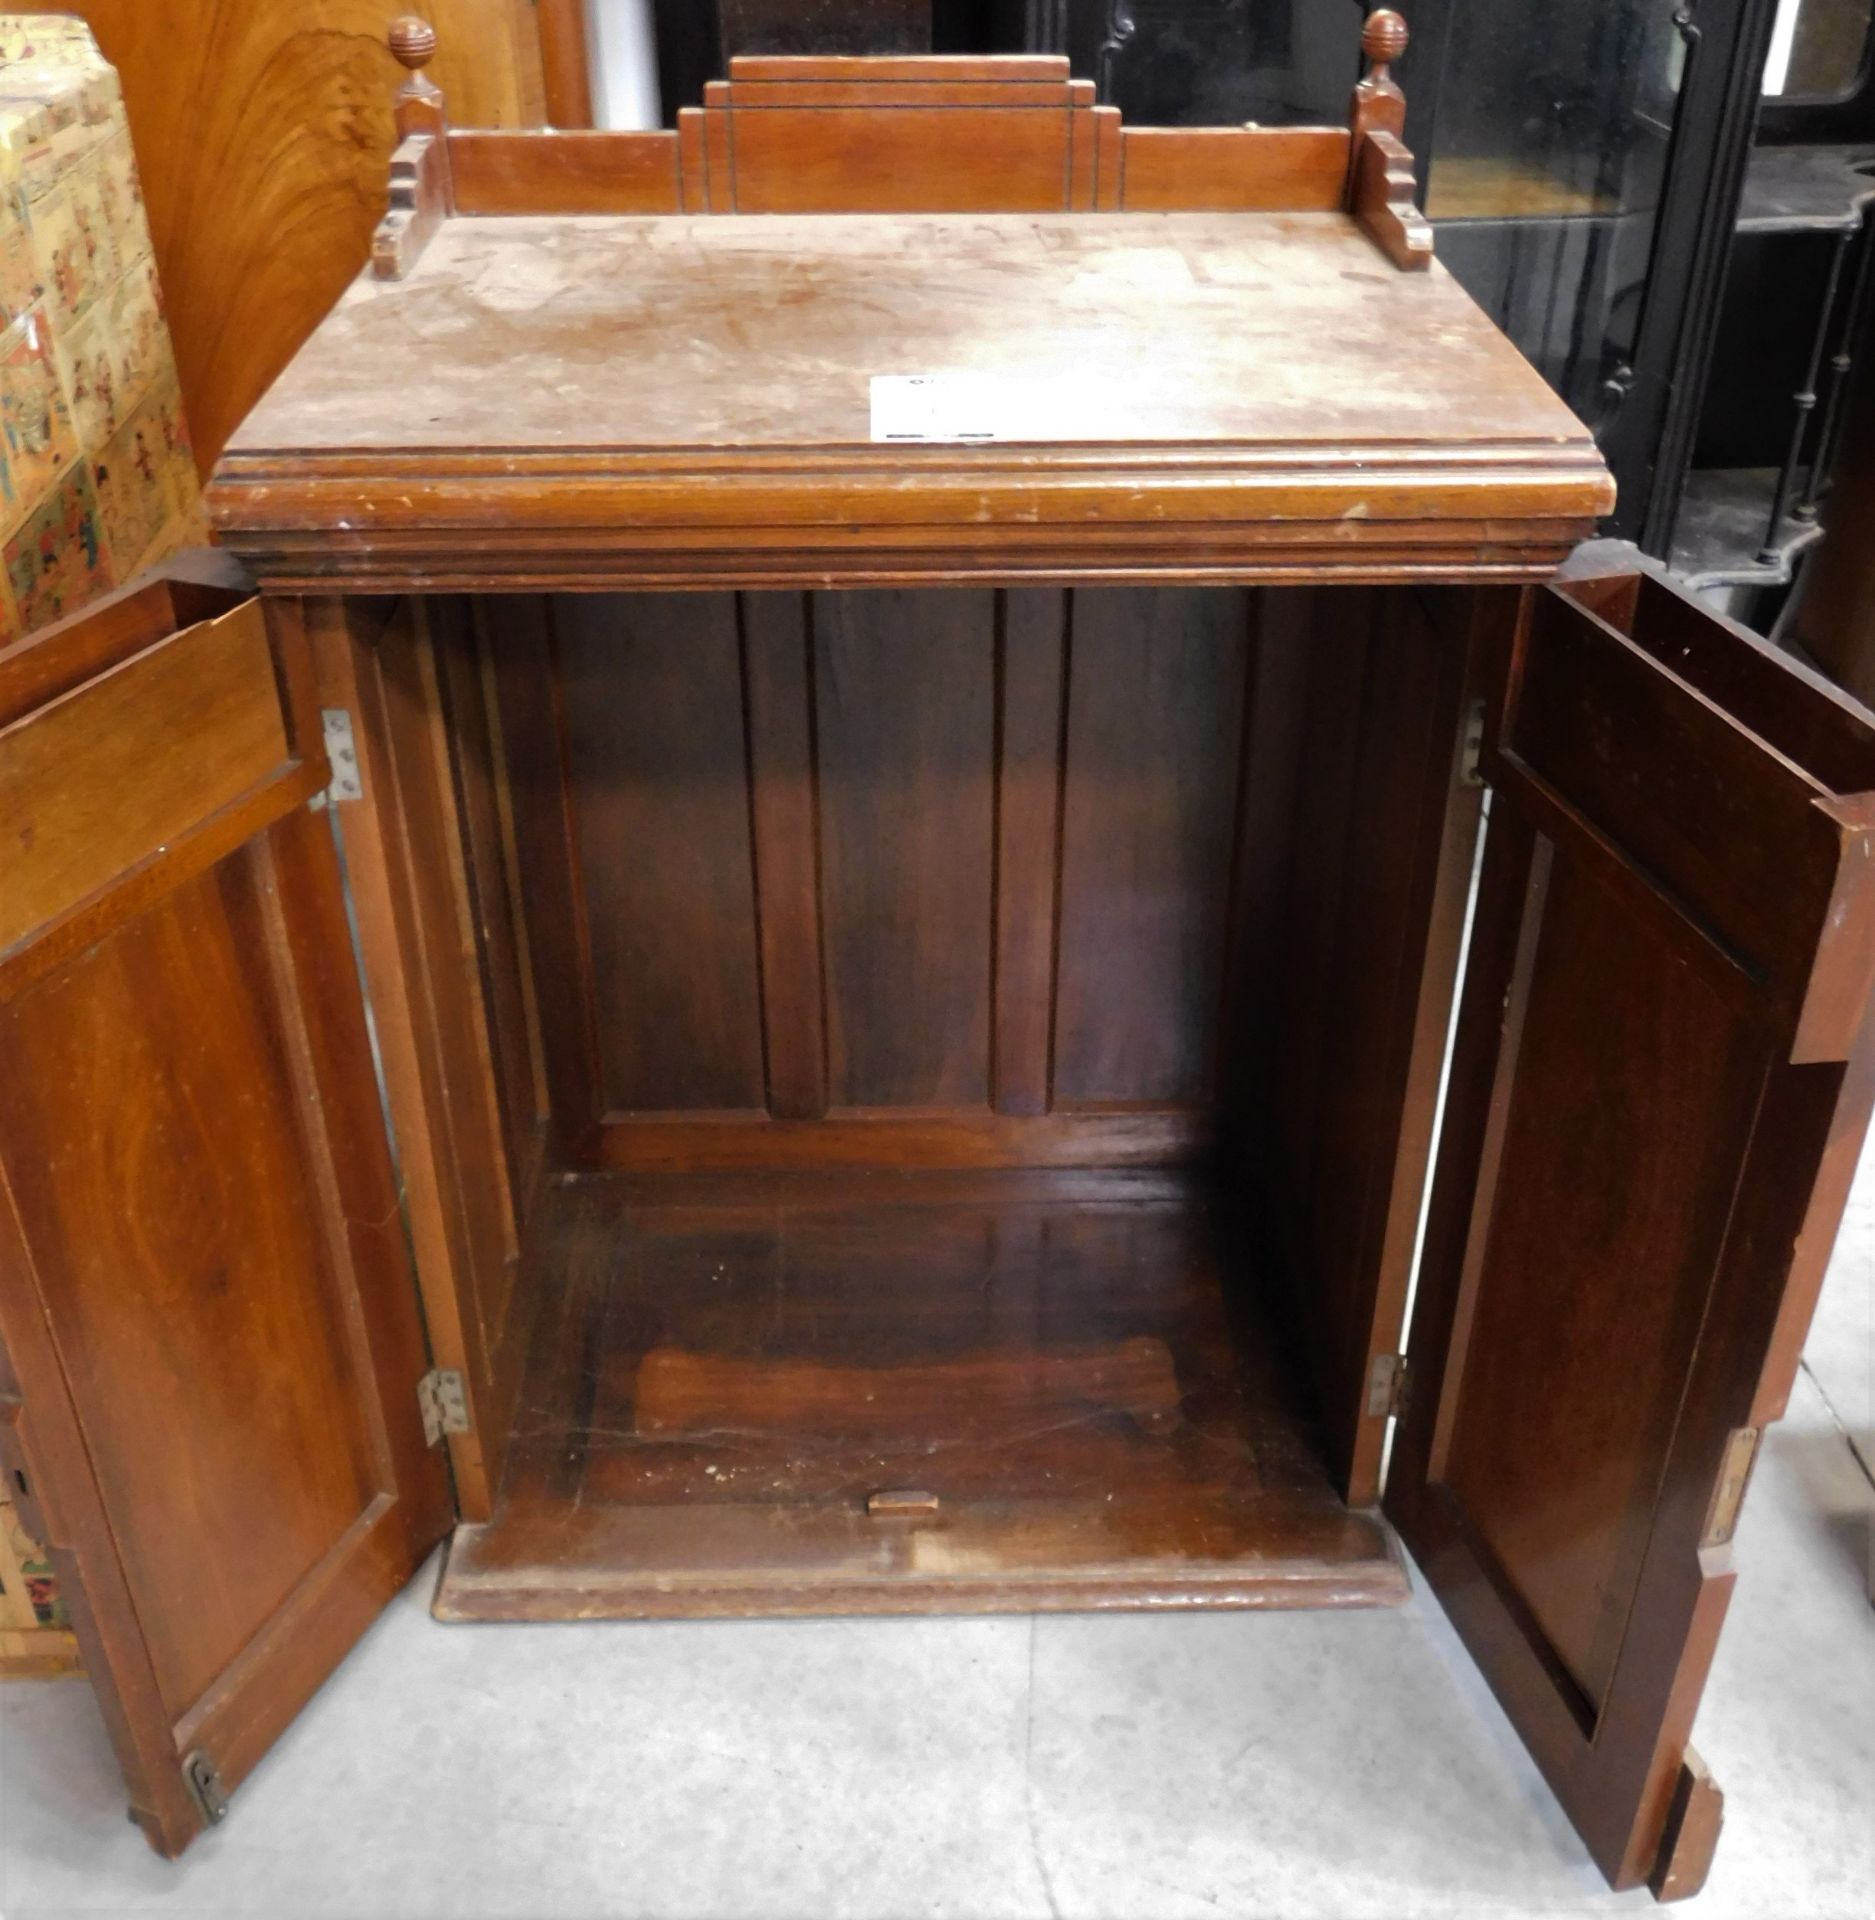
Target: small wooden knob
413 41
1383 39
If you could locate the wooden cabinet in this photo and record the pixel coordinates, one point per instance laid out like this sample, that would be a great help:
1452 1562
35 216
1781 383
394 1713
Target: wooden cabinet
910 772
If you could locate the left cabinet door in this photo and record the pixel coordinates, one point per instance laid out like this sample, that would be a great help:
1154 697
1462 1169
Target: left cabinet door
210 1344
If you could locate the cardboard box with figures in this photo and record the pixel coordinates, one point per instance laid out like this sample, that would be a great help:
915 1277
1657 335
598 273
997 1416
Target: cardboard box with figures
97 480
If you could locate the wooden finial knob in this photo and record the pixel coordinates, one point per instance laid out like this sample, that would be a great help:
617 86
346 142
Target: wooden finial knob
413 41
1383 39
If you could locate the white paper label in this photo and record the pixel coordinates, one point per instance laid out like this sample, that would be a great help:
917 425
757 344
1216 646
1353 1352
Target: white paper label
941 406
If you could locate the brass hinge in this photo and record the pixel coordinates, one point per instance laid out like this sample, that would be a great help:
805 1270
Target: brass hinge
1473 750
1388 1384
445 1406
204 1786
348 781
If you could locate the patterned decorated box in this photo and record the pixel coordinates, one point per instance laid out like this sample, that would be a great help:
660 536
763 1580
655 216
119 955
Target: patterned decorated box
96 476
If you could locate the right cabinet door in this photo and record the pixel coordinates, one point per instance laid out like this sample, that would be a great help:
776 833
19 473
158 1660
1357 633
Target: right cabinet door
1660 1083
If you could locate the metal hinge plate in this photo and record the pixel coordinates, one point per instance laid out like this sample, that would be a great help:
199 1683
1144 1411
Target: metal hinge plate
204 1785
444 1403
348 781
1473 749
1388 1383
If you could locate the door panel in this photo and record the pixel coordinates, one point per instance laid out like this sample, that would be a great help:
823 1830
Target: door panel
206 1302
1660 1078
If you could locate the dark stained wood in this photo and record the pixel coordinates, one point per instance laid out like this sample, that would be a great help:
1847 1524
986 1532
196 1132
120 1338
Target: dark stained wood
1636 1191
884 1137
1031 724
1074 1368
856 877
406 859
785 827
658 773
1353 1022
481 762
1378 105
1383 197
419 203
205 1295
1693 1822
904 724
1154 731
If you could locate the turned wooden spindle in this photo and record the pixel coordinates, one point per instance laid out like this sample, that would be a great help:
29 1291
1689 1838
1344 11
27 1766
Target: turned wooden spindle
1379 105
419 103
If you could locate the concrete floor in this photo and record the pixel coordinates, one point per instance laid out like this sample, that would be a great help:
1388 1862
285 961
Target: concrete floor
1295 1765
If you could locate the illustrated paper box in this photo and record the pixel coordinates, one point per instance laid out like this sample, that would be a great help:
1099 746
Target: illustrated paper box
96 476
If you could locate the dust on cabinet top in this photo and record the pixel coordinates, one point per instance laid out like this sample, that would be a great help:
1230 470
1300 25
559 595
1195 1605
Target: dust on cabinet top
1202 393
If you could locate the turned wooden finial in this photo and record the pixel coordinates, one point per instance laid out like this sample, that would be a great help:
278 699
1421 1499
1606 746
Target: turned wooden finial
1383 40
1379 105
419 103
413 41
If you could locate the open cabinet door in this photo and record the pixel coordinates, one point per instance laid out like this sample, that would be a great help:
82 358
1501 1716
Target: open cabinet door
210 1348
1661 1081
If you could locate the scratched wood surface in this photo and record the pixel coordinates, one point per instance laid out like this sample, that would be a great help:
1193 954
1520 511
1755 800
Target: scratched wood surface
745 332
1074 1373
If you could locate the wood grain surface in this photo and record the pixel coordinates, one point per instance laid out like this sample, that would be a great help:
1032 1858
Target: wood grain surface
1645 1155
603 398
263 135
740 1379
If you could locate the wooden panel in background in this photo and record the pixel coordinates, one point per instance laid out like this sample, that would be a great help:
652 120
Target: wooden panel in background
838 855
263 135
782 806
658 766
1155 714
480 725
1030 730
904 692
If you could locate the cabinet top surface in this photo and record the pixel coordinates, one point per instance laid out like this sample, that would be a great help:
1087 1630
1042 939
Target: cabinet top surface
765 333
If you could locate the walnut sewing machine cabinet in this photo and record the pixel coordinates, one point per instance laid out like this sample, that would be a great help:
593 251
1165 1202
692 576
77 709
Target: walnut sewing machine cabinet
811 950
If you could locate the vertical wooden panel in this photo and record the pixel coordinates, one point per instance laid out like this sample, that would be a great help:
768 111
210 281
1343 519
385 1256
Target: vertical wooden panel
525 669
209 1242
904 687
1557 1473
479 761
1028 842
657 759
1371 914
1155 714
781 772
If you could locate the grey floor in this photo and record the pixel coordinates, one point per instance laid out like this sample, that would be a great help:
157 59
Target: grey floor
1286 1765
